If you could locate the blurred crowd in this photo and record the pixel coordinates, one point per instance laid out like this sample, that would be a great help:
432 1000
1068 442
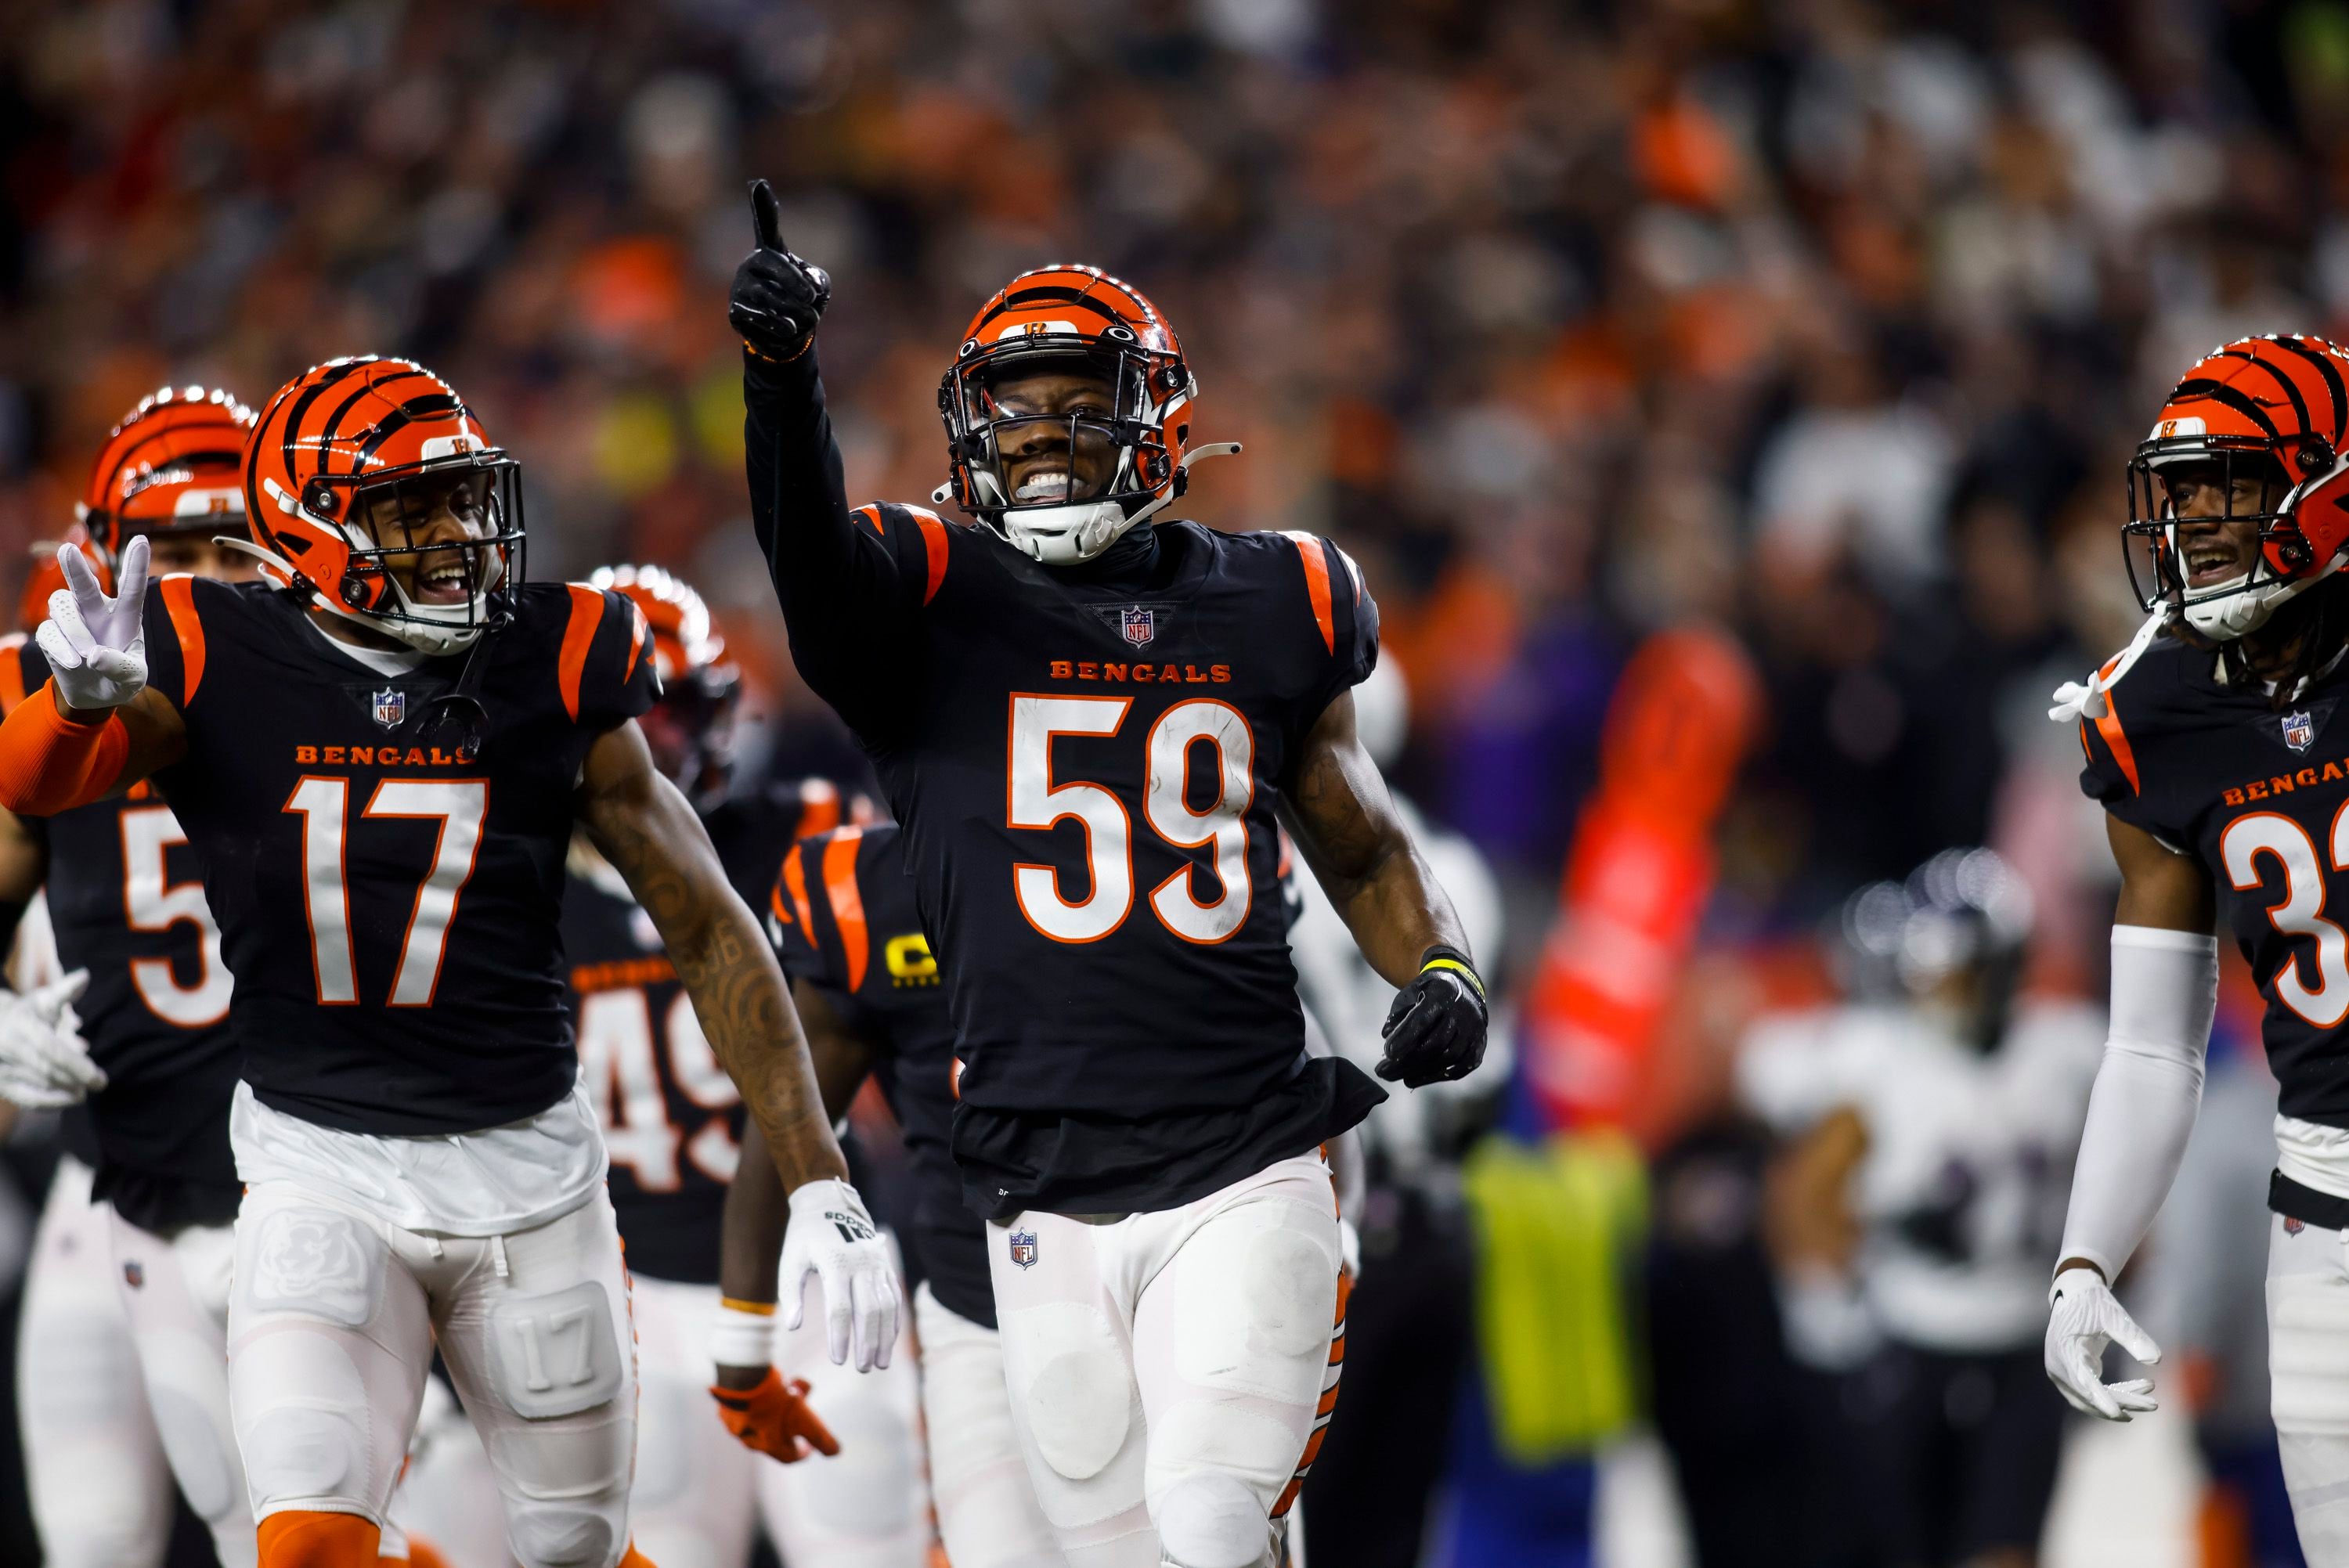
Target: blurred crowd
1825 319
1826 323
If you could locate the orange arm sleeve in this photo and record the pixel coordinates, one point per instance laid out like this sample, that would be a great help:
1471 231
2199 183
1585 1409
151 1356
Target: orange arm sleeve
50 764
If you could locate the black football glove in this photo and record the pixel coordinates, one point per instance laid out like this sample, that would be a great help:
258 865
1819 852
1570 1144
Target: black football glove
1436 1030
777 298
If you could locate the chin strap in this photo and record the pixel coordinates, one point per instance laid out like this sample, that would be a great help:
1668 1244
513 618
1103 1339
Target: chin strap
2075 700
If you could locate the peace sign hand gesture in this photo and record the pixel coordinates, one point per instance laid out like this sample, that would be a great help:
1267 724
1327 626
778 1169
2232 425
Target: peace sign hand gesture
96 647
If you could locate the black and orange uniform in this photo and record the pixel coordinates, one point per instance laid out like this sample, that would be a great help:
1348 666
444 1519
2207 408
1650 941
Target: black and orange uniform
1085 761
387 898
672 1118
842 919
2213 770
127 904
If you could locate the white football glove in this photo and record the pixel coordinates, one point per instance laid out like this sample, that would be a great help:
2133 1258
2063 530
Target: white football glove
96 647
44 1062
2086 1317
832 1237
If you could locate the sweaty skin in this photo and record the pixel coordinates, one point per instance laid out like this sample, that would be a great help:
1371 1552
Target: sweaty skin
1036 455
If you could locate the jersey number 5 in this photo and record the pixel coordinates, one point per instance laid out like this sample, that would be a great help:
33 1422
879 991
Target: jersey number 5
2301 912
1035 801
153 901
324 805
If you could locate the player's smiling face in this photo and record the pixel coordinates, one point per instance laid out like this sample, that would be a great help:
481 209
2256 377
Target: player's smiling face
2217 515
1040 463
423 523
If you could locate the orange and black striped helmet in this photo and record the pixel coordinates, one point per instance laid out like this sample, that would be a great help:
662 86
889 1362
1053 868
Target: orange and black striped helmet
1135 431
350 469
170 466
2271 409
691 728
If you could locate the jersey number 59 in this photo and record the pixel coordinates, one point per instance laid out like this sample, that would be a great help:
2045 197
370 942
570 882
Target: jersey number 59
1033 800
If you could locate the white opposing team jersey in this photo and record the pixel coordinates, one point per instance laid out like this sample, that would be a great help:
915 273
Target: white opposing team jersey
487 1183
1342 990
1962 1190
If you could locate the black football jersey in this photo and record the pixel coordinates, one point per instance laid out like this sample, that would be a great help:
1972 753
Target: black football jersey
672 1118
842 919
127 904
1085 763
388 900
2215 772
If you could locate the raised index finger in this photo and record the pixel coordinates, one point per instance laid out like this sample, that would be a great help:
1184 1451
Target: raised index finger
766 216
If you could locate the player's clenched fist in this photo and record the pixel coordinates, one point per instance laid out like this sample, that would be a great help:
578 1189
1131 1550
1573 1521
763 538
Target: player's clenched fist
1436 1030
832 1237
96 647
777 298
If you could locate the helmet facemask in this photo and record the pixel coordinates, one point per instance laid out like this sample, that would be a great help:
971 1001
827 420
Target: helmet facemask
2160 551
394 522
1008 448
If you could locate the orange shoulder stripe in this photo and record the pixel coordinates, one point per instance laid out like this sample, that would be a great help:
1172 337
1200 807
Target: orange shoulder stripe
12 672
871 515
2116 740
1317 585
179 600
933 548
578 635
841 891
795 884
642 633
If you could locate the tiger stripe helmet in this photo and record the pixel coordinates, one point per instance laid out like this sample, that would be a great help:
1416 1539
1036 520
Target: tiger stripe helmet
2281 404
1059 314
691 728
170 466
367 438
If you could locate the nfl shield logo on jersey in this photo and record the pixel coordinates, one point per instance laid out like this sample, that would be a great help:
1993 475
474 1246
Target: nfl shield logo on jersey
1023 1248
1139 624
2299 731
390 708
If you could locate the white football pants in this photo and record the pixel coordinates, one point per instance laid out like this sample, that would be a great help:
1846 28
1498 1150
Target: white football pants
987 1513
2308 1374
331 1322
698 1491
101 1491
1168 1371
176 1295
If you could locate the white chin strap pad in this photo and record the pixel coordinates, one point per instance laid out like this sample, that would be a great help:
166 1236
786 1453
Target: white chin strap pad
1064 535
2231 615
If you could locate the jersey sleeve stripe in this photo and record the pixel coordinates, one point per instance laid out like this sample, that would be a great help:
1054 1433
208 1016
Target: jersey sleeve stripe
578 635
12 672
2116 740
933 548
847 902
871 515
180 602
795 884
1317 585
640 634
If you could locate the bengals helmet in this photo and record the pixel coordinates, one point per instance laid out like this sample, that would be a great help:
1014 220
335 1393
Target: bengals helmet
1057 317
349 459
2276 407
691 728
170 467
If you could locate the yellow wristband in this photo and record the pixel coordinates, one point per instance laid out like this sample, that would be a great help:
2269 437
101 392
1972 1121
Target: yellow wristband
761 1308
1454 964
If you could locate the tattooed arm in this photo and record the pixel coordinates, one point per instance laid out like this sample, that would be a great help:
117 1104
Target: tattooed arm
649 834
1337 808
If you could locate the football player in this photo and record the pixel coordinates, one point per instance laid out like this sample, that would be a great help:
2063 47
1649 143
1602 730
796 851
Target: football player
1085 723
2217 744
378 753
147 1189
674 1125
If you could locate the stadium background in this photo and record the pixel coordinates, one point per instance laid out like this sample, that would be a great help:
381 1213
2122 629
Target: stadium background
1825 325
